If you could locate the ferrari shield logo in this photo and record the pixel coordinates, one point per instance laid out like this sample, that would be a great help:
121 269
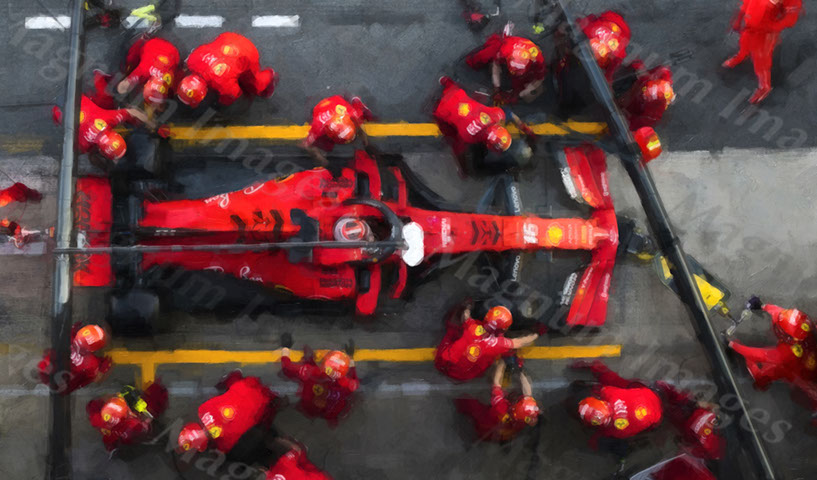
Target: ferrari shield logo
318 390
214 431
340 110
484 118
797 350
100 124
621 423
220 68
479 331
555 234
473 353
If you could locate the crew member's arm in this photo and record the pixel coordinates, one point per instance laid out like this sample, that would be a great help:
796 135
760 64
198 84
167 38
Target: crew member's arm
522 126
737 21
308 144
499 371
791 12
757 354
527 390
496 74
521 342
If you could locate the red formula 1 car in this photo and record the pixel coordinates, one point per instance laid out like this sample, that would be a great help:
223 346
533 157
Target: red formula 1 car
352 237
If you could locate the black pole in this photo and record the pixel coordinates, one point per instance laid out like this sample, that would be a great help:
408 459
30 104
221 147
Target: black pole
59 453
670 245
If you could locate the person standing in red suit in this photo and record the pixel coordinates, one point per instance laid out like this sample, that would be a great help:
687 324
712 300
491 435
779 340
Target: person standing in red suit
470 346
235 422
294 464
697 422
86 366
127 418
336 122
326 388
649 97
760 23
230 65
519 57
618 408
502 420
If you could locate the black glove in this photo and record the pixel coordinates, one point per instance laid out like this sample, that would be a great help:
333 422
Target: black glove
754 303
349 348
286 340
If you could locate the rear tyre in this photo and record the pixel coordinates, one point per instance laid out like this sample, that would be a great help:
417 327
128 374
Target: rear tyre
135 313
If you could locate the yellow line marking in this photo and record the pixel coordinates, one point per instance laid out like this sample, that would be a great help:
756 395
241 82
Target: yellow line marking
148 360
398 129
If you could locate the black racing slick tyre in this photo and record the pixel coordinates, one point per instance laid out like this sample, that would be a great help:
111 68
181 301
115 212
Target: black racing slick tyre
135 313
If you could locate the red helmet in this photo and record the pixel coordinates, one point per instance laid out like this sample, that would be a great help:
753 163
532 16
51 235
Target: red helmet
192 90
648 142
498 318
594 411
352 229
194 437
793 323
521 58
156 91
526 410
703 425
498 138
335 364
111 144
91 338
114 411
341 129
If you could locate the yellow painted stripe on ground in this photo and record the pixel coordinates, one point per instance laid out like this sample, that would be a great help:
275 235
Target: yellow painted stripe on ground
148 360
398 129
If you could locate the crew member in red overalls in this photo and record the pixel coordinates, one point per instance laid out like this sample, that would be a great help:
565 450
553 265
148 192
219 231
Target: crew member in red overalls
127 418
619 408
235 422
96 128
608 35
326 388
231 66
86 366
336 122
649 97
502 420
519 57
760 23
697 422
152 64
793 359
471 346
17 193
294 465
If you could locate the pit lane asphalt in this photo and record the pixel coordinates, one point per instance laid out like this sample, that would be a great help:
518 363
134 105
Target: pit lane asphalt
712 198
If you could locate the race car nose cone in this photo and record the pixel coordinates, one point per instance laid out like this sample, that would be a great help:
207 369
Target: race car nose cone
414 238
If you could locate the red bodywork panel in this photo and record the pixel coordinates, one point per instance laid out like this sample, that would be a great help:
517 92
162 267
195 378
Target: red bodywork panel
92 222
270 211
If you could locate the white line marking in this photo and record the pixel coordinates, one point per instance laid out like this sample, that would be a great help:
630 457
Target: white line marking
48 23
276 21
199 21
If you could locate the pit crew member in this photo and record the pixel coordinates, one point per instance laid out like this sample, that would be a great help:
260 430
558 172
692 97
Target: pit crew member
502 420
231 66
336 121
760 23
471 346
127 418
86 366
326 387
